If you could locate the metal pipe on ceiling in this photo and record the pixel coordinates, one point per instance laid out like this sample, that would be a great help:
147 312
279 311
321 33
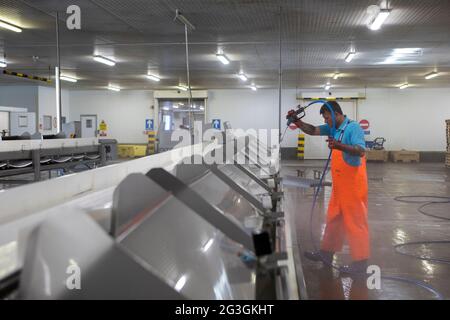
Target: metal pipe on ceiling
187 25
57 79
280 79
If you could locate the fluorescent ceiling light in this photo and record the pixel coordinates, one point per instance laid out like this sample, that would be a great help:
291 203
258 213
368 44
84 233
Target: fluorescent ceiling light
202 108
180 283
350 56
253 87
9 26
336 76
380 18
183 88
222 58
431 75
154 78
175 106
407 51
113 88
3 64
104 60
69 79
404 86
242 76
327 86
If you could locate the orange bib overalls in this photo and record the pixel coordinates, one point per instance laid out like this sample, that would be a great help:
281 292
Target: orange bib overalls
347 210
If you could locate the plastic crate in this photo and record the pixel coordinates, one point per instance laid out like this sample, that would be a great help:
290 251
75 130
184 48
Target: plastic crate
137 151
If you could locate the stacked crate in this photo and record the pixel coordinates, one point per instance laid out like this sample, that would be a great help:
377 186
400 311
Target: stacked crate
447 158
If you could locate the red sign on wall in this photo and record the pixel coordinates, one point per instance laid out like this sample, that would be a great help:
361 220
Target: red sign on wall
364 124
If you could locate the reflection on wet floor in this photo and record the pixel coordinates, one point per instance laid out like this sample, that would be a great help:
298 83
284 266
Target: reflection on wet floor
391 223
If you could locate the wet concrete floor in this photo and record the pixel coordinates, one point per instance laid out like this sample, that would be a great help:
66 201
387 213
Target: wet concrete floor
391 223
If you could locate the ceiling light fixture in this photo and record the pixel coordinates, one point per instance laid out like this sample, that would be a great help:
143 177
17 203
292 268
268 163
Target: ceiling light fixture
182 88
379 19
113 88
328 86
336 76
407 52
431 75
69 79
104 60
350 56
253 87
222 58
404 86
154 78
9 26
242 76
3 64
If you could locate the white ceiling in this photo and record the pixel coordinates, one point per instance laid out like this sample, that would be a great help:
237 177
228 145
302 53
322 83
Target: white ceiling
142 37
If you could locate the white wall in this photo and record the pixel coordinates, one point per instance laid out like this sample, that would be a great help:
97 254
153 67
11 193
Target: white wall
412 119
47 107
124 112
245 108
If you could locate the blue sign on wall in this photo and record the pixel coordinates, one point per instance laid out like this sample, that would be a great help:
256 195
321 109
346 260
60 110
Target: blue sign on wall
149 125
216 124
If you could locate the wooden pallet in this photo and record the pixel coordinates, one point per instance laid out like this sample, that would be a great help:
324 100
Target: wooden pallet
377 155
405 156
406 161
448 135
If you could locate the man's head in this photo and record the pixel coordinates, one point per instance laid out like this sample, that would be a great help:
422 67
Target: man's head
326 114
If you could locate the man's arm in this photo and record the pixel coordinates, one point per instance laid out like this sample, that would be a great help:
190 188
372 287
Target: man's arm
355 150
308 128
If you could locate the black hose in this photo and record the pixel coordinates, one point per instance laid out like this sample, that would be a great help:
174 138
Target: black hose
433 200
413 243
419 199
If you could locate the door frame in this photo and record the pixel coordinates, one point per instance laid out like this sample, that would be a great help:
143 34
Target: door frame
96 123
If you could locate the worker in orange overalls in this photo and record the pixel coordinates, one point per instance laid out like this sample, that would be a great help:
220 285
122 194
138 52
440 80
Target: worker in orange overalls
347 210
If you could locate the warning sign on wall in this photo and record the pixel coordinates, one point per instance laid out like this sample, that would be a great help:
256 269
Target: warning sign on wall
103 128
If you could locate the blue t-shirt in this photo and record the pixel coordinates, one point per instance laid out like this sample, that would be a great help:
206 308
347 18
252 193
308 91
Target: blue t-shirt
353 136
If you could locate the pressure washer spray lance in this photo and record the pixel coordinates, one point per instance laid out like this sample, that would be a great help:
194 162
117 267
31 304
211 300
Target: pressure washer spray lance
292 117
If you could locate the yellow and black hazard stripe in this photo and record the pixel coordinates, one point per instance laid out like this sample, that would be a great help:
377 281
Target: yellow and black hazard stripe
333 98
23 75
301 147
151 142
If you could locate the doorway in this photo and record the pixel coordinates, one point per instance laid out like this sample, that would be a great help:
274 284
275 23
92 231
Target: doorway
175 114
4 123
88 126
